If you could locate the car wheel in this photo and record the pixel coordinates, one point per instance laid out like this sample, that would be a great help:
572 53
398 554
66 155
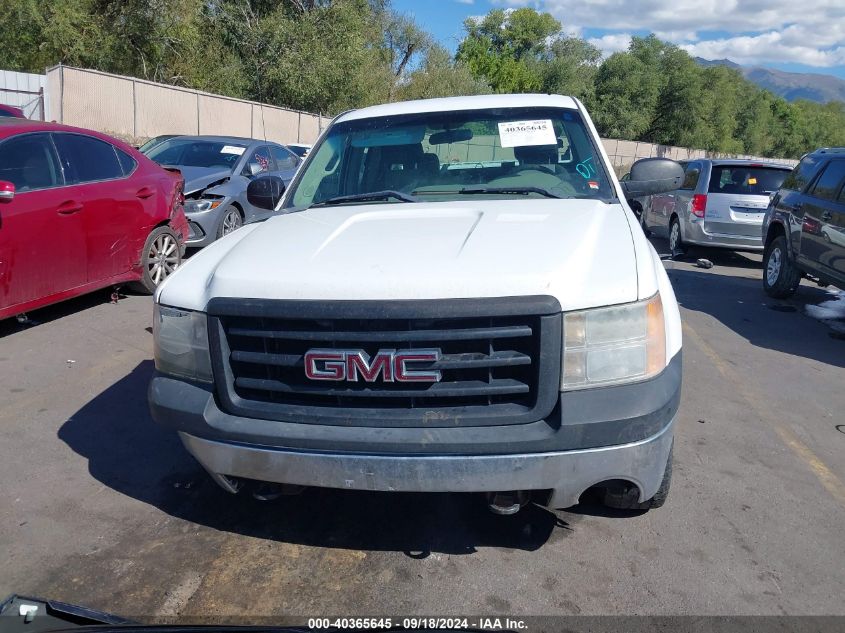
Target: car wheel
780 275
160 257
626 498
232 220
676 243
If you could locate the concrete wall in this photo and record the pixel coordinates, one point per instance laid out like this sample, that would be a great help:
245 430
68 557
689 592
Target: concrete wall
135 110
623 153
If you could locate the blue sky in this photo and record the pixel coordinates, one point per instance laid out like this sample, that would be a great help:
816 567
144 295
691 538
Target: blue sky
773 33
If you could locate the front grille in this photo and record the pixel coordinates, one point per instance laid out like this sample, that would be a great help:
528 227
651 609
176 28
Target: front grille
499 364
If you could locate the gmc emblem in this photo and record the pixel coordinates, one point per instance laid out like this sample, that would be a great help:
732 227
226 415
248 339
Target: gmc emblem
389 365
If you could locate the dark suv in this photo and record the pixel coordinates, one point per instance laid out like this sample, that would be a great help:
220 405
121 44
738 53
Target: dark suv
804 226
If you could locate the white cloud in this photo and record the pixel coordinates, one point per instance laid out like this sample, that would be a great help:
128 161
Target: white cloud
757 30
613 43
766 47
465 1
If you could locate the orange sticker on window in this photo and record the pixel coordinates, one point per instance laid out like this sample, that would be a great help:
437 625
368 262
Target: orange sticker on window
752 181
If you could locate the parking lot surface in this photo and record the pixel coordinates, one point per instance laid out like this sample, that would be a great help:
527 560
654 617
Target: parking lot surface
103 508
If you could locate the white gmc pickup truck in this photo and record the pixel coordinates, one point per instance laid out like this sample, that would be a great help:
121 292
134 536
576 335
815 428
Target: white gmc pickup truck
453 296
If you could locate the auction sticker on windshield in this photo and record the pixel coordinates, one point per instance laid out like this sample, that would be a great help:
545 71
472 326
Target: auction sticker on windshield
521 133
232 149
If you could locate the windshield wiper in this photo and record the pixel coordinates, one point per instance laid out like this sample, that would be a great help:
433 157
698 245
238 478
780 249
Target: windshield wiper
366 197
467 191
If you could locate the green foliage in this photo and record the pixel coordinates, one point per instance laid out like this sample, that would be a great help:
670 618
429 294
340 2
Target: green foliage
569 66
504 49
330 55
439 76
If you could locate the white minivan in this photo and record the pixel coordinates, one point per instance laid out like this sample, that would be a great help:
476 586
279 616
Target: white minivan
721 203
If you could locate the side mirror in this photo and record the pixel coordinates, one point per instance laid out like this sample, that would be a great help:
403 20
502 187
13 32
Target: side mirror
653 175
265 192
7 191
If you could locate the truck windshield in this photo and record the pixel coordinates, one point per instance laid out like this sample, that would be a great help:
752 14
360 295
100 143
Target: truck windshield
440 156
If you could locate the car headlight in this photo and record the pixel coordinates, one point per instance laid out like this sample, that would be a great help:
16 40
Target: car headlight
180 343
193 206
618 344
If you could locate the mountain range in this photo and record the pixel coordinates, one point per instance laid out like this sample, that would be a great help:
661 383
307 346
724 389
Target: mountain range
790 86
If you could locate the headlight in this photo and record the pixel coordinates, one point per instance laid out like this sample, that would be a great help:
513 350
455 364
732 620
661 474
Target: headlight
180 343
619 344
193 206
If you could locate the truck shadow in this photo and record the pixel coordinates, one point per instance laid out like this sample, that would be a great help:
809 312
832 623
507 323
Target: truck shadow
130 454
740 304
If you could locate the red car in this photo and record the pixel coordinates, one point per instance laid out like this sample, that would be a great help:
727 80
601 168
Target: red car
80 211
11 111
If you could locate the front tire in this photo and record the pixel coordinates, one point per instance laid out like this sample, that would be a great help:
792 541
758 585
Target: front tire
780 275
626 498
231 221
161 256
676 242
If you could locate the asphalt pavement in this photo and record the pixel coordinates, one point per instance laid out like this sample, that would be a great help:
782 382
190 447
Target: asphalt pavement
101 507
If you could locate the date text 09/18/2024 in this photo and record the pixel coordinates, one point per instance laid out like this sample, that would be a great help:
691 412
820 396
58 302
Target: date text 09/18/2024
414 623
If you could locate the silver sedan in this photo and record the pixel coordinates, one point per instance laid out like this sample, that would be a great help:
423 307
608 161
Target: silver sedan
217 170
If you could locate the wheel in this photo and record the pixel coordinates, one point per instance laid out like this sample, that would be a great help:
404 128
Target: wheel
676 243
232 220
625 498
780 276
160 257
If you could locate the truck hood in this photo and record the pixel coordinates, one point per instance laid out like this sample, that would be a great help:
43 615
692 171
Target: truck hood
579 251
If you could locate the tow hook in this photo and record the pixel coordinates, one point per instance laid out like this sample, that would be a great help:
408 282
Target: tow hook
507 503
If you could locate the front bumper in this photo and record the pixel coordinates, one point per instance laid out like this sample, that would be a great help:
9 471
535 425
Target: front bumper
203 225
566 473
622 432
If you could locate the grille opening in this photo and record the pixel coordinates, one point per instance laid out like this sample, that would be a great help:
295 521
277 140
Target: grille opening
489 366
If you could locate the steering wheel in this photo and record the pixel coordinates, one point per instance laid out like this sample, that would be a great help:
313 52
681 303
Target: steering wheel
540 168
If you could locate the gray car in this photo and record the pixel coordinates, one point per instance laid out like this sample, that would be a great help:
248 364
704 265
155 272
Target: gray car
217 170
721 203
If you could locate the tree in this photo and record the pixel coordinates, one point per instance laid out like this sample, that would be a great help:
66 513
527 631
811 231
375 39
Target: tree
403 41
569 67
439 76
626 94
504 47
